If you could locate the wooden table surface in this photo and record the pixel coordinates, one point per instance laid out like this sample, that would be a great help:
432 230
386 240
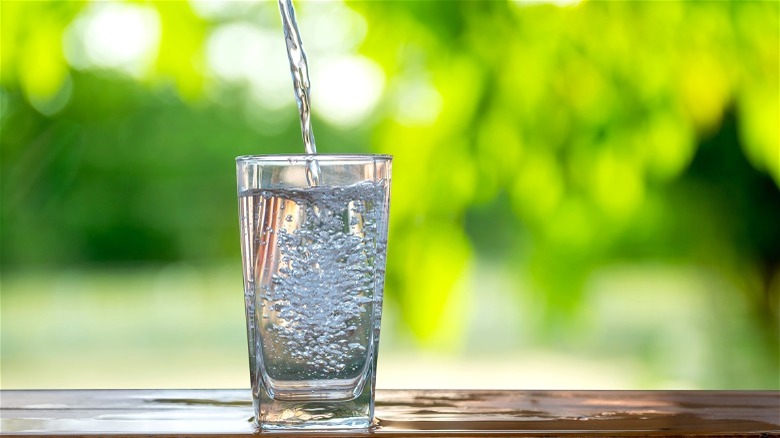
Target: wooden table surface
403 413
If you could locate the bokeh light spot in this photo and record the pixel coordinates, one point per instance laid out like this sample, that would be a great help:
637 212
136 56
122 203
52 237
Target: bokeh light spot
119 36
417 102
243 53
347 89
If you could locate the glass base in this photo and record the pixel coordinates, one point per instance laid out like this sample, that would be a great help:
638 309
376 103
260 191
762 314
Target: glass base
314 415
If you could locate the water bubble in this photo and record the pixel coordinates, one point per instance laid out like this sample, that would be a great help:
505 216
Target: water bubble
323 281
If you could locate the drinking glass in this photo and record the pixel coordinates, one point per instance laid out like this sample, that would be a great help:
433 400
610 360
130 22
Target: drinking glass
314 244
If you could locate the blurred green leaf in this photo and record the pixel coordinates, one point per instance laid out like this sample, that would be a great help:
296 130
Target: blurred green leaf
550 143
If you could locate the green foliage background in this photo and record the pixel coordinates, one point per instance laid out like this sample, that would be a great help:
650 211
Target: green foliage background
568 140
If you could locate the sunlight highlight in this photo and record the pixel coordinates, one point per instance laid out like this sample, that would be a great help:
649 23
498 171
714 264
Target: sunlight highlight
111 35
348 89
243 53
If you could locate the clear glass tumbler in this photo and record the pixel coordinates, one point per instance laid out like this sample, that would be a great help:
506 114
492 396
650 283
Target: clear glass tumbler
314 268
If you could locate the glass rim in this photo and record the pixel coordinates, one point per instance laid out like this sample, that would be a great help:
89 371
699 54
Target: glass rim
297 158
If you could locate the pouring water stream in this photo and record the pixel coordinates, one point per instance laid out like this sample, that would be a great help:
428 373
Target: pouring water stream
299 69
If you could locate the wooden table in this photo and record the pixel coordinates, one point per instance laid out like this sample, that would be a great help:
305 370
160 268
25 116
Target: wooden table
403 413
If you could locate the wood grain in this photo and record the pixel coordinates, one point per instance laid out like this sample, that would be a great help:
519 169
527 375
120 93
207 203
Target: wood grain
228 413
